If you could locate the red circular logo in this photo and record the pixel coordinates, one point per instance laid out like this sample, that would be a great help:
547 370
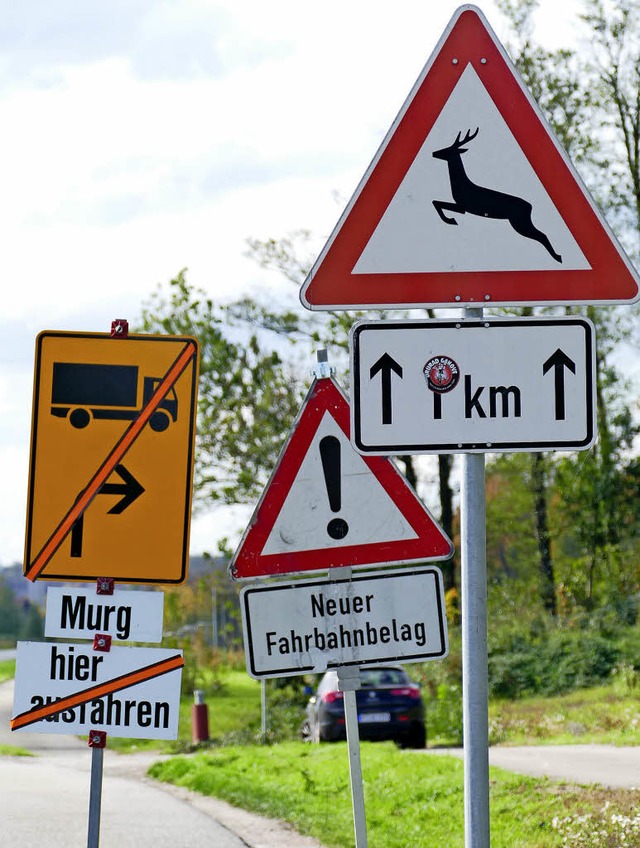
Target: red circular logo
442 374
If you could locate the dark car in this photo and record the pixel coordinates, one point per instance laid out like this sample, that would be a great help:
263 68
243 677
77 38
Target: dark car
389 706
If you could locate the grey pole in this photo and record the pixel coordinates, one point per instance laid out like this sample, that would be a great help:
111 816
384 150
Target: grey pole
348 682
263 705
95 797
475 687
214 617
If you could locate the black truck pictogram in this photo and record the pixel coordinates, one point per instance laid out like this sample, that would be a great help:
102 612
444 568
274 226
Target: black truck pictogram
83 391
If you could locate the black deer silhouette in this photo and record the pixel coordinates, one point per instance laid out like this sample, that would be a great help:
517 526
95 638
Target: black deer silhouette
486 202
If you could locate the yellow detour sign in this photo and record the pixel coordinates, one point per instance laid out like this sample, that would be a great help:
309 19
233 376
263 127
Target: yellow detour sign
111 469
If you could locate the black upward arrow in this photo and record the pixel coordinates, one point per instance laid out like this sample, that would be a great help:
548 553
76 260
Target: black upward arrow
386 364
559 361
130 490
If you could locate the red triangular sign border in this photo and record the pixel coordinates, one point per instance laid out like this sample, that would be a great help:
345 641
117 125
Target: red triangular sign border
469 39
431 543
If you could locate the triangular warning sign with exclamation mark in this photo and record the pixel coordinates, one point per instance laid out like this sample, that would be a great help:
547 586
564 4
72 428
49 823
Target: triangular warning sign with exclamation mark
326 506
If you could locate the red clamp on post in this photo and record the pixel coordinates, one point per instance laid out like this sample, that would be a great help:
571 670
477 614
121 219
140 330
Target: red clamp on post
105 586
97 738
119 328
102 642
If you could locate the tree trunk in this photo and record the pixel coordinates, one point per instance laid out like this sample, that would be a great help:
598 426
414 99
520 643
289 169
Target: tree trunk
445 461
446 506
547 577
409 471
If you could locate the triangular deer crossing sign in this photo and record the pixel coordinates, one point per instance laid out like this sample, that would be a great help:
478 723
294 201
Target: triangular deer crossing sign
326 506
469 200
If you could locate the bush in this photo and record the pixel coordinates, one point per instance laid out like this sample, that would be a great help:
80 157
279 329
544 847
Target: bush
513 674
286 701
444 715
558 661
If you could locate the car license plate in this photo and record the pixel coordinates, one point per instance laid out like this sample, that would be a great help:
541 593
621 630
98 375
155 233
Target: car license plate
370 718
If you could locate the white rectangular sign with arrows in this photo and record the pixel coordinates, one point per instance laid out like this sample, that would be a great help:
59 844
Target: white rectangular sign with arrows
473 386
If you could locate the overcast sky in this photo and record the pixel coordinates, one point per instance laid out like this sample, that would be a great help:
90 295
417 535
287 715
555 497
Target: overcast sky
140 137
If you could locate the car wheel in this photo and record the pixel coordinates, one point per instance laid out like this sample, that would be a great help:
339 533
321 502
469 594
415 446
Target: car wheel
305 731
417 737
324 737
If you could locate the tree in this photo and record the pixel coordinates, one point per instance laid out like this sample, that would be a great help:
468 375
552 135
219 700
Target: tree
248 394
19 619
593 489
579 97
614 74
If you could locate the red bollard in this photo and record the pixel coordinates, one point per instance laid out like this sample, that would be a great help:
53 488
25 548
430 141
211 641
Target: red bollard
199 718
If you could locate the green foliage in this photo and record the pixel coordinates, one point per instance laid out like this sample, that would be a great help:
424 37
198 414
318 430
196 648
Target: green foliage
606 827
7 670
248 395
557 659
588 550
14 751
607 714
18 619
286 699
512 553
612 71
556 79
444 715
565 661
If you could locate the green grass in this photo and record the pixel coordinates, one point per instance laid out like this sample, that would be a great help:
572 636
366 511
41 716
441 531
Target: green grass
7 670
233 702
411 798
14 751
606 714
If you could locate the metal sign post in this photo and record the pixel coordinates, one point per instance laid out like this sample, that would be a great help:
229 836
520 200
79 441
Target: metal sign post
349 682
97 742
475 685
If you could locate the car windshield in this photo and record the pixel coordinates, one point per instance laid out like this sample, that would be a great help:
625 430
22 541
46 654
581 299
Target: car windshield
376 677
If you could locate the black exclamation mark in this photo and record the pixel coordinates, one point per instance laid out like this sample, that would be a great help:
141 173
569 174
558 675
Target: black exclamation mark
337 528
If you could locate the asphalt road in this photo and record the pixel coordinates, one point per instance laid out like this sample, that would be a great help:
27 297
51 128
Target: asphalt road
45 801
607 765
